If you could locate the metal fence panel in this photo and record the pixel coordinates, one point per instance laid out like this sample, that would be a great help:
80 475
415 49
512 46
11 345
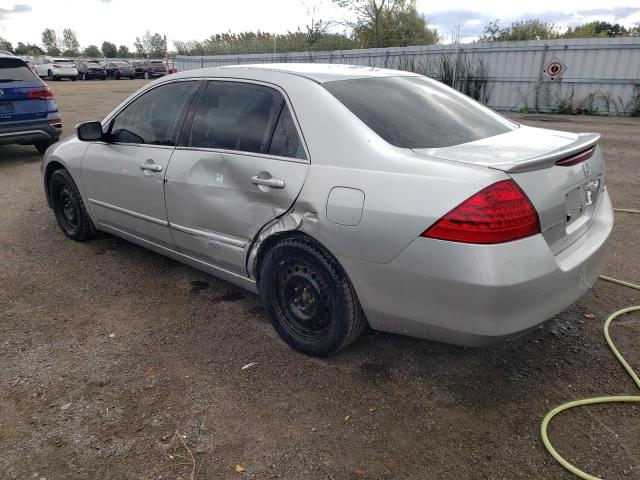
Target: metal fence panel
601 75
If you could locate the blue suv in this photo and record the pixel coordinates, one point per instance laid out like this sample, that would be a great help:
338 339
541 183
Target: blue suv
28 113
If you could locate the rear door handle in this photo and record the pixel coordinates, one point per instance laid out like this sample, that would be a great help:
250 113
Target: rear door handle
149 165
268 182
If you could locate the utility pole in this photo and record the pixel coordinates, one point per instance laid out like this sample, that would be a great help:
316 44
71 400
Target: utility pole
166 55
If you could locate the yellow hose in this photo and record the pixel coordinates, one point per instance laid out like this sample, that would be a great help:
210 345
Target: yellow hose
590 401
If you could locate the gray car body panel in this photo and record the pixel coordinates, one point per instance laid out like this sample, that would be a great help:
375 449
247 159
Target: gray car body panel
460 293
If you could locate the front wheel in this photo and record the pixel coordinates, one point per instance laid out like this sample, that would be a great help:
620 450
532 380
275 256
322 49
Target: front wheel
310 300
68 207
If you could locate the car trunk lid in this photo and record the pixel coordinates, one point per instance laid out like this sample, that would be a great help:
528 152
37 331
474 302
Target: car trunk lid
562 174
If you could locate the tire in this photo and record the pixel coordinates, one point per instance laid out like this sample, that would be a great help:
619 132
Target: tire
116 75
309 298
42 146
49 75
73 79
147 76
69 208
132 78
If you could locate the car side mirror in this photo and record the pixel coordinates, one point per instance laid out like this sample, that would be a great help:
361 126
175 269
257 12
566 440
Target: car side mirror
90 131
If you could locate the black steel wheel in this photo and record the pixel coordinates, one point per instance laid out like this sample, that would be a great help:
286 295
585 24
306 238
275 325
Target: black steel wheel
68 207
310 300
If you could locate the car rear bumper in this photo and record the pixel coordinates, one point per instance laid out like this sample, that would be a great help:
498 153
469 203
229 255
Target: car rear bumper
479 294
29 133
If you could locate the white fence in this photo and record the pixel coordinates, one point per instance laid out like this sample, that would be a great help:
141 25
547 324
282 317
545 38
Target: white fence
597 75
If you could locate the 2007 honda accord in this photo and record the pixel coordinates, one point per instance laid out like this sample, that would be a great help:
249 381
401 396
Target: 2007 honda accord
345 196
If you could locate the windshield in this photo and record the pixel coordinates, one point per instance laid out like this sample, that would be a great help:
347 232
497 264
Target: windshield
15 70
418 112
121 64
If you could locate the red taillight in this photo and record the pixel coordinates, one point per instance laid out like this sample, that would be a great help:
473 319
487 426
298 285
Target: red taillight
499 213
577 158
43 93
55 65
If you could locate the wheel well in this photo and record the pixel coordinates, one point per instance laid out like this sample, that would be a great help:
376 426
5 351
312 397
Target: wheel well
51 167
269 242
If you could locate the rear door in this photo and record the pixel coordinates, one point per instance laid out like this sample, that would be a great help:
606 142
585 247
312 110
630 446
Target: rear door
241 164
16 81
124 178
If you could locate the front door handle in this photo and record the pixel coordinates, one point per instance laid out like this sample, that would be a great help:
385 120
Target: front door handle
149 165
268 182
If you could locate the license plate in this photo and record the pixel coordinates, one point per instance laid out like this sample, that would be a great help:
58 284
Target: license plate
575 204
6 108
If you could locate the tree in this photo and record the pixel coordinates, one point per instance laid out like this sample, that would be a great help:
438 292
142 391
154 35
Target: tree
70 44
50 41
531 29
123 51
598 29
149 45
6 45
109 50
92 51
28 49
388 23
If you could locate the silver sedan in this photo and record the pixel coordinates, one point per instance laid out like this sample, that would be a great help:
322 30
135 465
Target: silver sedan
346 196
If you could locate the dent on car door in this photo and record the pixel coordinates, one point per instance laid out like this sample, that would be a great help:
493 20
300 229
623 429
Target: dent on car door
241 165
124 176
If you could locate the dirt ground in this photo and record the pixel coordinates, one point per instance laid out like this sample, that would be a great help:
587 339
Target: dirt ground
107 350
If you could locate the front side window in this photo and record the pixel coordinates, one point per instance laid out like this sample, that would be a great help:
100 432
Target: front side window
417 112
235 116
152 119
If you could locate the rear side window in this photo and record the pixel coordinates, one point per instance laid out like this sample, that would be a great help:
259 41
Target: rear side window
285 141
153 118
15 70
417 112
235 116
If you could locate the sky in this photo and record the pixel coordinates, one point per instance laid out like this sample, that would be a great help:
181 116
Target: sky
120 21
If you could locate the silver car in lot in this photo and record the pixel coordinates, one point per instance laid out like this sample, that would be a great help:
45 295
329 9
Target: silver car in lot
345 196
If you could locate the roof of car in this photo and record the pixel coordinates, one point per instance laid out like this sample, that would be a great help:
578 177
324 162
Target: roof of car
318 72
5 54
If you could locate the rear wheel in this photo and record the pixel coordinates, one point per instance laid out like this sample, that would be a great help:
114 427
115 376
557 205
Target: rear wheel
310 300
42 146
68 207
49 75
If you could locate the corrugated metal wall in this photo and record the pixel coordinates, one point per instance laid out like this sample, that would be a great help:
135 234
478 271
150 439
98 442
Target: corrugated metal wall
600 75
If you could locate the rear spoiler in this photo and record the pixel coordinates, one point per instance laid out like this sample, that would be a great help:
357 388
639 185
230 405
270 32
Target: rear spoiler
583 142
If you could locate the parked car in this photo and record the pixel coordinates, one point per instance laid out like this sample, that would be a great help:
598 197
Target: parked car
30 63
57 68
345 195
28 113
150 69
118 70
91 70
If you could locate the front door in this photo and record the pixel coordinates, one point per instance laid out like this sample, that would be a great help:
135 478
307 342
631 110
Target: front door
123 178
241 165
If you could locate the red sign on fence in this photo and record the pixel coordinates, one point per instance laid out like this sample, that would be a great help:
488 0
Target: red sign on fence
554 68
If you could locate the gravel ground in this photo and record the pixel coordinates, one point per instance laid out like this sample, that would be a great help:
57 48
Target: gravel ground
107 350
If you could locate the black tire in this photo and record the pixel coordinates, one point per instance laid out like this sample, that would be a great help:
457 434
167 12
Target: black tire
73 79
49 75
116 75
309 298
69 208
42 146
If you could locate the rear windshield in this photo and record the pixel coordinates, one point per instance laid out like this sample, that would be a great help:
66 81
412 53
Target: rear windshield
15 70
417 112
62 60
